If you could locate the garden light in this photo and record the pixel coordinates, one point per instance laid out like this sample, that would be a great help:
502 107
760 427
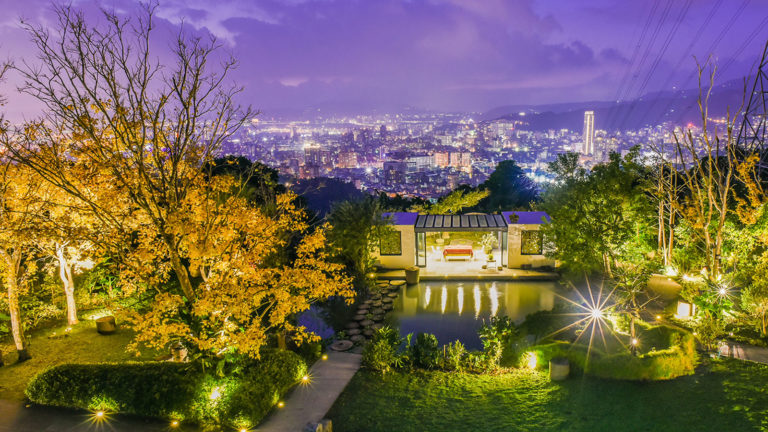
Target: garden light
531 360
305 378
215 394
596 313
634 341
175 423
99 414
324 357
280 404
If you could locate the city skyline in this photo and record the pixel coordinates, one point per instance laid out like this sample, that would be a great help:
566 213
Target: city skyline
443 55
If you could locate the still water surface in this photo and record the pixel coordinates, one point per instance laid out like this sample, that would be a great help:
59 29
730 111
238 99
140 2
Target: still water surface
456 310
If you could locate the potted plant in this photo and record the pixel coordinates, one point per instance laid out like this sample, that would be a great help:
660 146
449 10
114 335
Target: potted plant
489 242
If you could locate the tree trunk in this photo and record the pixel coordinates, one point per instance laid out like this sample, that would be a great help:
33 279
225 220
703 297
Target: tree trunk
178 267
13 263
65 273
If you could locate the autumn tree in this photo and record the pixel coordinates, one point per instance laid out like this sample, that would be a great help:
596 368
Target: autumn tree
120 126
19 205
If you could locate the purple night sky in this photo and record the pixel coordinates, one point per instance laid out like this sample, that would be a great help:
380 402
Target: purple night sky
445 55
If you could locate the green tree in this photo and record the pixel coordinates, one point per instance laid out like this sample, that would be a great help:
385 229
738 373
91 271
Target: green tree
598 217
453 202
508 189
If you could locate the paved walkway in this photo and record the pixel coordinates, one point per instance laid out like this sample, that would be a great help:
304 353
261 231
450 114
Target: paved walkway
747 352
309 403
16 417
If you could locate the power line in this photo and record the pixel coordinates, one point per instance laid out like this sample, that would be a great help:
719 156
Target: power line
696 37
646 52
680 17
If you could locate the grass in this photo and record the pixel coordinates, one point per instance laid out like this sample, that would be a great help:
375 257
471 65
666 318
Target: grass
81 345
723 395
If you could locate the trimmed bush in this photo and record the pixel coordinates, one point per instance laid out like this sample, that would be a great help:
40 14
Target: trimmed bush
172 390
425 351
677 360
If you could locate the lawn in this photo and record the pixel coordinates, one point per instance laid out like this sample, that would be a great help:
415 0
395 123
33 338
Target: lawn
722 395
81 345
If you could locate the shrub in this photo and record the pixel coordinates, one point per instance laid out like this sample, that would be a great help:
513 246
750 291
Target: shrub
678 358
453 356
425 351
498 333
172 390
381 353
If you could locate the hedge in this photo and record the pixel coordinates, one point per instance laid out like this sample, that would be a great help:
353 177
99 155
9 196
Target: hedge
174 391
677 360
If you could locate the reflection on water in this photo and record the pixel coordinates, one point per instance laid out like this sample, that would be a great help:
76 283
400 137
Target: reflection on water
436 307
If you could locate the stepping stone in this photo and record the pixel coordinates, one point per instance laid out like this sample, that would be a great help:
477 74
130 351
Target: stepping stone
393 294
368 302
357 338
388 306
342 345
387 300
397 283
377 326
353 325
378 311
353 332
382 284
359 317
366 323
368 332
376 297
377 303
378 318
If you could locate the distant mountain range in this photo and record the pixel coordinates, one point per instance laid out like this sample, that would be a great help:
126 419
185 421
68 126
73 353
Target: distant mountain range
679 107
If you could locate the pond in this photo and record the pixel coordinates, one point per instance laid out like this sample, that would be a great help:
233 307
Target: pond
456 310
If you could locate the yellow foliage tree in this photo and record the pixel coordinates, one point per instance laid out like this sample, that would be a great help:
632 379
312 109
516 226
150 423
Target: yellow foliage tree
134 148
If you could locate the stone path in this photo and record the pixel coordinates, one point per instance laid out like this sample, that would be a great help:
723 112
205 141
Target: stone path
16 417
309 403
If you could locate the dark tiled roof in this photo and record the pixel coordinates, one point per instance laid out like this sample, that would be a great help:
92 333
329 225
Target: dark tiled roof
470 222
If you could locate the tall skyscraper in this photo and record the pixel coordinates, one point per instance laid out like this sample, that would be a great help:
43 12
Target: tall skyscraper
589 133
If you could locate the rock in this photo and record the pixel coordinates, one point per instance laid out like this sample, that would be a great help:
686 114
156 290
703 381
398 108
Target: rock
368 332
388 307
357 338
397 283
378 311
362 311
376 297
341 345
382 284
366 323
378 318
377 303
387 300
359 317
393 294
353 325
367 302
106 325
377 326
353 332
